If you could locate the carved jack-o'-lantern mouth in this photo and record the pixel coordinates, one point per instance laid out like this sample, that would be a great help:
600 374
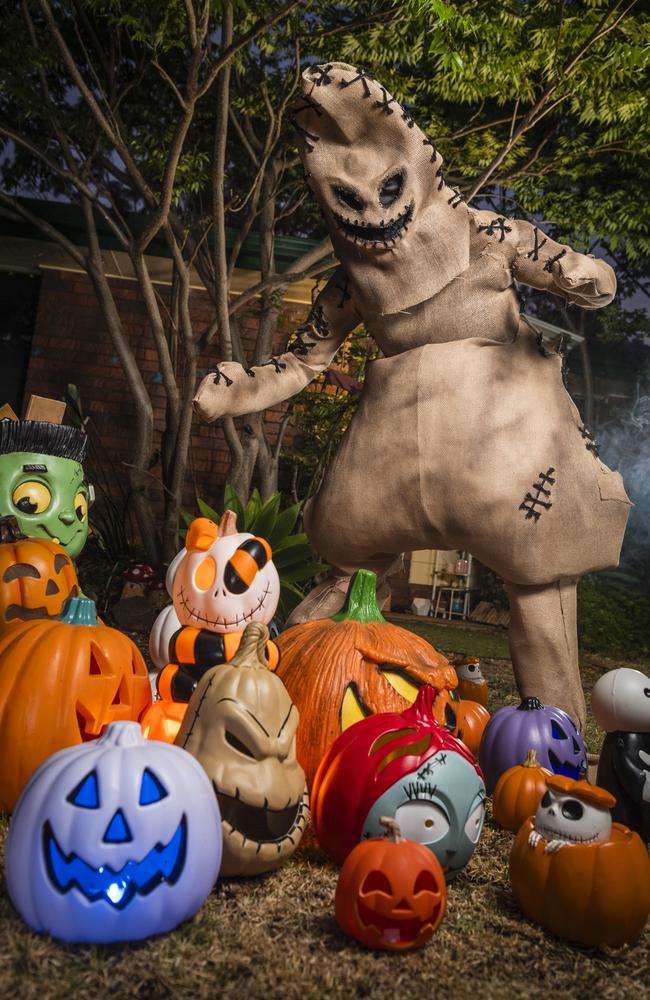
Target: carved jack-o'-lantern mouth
163 863
259 823
402 925
218 621
381 235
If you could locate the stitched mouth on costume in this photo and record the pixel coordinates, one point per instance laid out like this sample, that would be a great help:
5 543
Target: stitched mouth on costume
381 235
259 823
163 863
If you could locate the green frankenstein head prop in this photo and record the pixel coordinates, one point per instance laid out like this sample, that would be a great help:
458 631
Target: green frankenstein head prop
42 482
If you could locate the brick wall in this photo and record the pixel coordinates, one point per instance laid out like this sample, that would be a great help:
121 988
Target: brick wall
71 344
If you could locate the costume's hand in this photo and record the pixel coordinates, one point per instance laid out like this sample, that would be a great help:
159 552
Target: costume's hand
534 838
587 290
554 846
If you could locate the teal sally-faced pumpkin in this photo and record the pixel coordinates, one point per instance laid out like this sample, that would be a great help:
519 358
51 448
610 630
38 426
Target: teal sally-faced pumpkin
42 481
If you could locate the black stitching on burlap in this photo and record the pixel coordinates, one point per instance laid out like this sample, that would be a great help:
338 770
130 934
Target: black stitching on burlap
361 75
548 266
278 365
218 375
434 151
310 103
310 138
385 104
343 289
455 199
321 73
537 246
530 502
500 224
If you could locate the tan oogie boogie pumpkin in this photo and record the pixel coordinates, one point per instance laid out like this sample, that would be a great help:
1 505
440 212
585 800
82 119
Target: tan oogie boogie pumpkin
465 436
241 726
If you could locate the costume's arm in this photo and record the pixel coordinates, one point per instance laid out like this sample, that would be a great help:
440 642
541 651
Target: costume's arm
550 266
231 390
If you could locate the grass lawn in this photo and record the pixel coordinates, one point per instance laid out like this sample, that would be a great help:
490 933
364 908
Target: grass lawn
275 936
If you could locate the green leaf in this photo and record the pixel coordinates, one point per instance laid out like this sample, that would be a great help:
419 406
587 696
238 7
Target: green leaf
252 509
232 502
284 525
187 517
207 511
292 556
303 572
263 524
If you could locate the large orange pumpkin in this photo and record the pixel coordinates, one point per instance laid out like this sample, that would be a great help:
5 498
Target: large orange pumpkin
36 575
518 792
592 893
340 670
61 683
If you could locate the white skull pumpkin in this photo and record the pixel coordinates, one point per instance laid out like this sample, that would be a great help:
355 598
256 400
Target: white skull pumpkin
620 700
225 580
572 812
113 840
241 726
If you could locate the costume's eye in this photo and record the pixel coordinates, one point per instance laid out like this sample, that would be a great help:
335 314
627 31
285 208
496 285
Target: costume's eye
390 190
546 800
572 809
81 506
239 745
349 198
474 823
250 557
31 497
151 789
424 822
86 793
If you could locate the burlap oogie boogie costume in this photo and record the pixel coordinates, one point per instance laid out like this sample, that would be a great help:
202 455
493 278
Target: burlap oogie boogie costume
465 436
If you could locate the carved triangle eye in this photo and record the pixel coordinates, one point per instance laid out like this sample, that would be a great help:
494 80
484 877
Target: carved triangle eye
151 789
86 793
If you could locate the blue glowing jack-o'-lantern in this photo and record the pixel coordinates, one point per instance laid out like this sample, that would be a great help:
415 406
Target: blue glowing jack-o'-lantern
113 840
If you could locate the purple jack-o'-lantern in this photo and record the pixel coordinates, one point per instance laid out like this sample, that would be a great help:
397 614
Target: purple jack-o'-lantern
513 731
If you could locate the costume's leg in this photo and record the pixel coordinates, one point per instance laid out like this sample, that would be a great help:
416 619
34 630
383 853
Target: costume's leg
544 645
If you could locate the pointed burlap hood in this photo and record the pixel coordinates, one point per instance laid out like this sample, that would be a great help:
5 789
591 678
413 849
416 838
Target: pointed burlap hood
399 231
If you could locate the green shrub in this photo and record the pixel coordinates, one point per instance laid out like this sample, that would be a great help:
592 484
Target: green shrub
612 619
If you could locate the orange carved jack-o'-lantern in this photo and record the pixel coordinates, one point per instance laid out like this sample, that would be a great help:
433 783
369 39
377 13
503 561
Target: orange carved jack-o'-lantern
36 575
391 892
340 670
61 682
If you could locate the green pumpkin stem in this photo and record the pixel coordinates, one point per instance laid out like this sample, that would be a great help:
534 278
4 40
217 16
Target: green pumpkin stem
78 611
361 600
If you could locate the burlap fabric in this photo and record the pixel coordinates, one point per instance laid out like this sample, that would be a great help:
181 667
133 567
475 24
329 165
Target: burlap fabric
465 436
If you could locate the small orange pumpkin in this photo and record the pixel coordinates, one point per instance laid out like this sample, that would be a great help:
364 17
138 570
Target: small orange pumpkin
471 720
340 670
36 575
592 893
391 892
518 792
62 681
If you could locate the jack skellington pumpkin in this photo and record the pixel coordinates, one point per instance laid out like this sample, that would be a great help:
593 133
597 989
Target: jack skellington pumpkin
241 726
223 580
578 874
114 840
514 477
